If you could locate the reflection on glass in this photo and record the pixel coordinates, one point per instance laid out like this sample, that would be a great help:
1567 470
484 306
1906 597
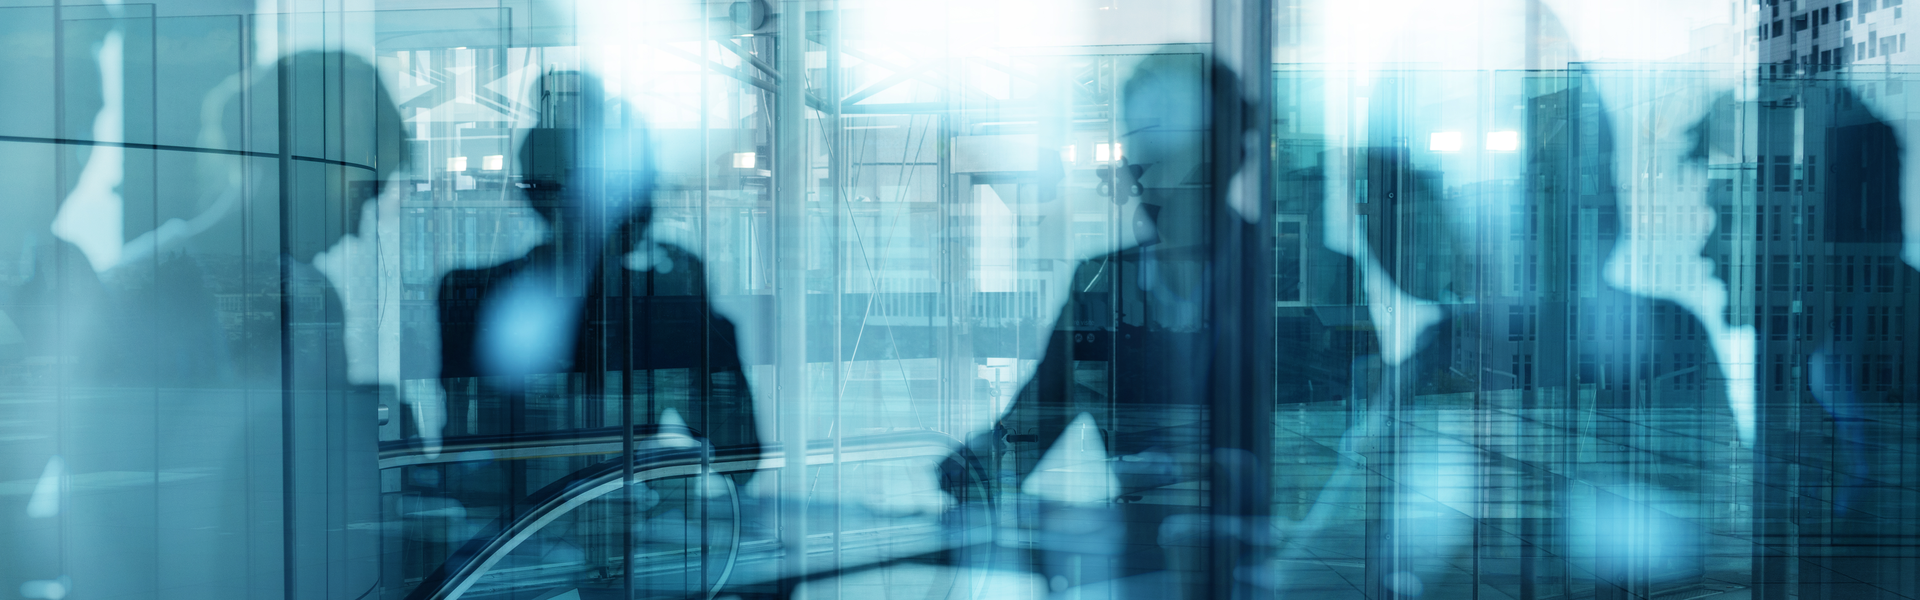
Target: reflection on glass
1072 300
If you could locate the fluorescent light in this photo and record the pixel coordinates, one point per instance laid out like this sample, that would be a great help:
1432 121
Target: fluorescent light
1106 151
1444 141
743 160
456 164
493 163
1503 141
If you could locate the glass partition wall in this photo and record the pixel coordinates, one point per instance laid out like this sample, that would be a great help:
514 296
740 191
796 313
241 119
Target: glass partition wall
899 299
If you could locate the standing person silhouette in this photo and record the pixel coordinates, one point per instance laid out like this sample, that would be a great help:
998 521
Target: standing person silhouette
1487 276
1124 373
334 218
572 306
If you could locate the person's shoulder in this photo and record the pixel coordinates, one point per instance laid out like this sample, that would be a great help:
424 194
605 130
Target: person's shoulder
300 272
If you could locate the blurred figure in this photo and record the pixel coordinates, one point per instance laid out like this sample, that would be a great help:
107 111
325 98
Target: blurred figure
135 331
1863 204
1483 246
337 217
1851 443
618 325
574 308
1109 439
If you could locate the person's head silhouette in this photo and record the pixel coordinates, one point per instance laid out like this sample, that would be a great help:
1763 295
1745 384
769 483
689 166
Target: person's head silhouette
593 184
345 135
589 181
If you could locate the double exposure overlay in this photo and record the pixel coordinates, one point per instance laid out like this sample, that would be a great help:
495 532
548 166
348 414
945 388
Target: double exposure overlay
1076 299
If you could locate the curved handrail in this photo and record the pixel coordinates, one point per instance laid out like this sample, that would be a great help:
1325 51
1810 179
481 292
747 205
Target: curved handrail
514 446
504 534
733 551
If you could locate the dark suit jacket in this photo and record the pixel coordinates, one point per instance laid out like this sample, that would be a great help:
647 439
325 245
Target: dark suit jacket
1141 379
657 321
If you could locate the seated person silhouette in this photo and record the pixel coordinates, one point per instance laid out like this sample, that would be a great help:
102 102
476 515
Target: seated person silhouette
1123 375
573 314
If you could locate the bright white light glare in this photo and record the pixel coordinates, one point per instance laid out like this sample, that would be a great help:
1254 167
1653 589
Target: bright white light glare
1105 152
45 501
456 164
1444 141
743 160
526 328
671 426
493 163
1075 469
1406 584
1067 153
50 589
1503 141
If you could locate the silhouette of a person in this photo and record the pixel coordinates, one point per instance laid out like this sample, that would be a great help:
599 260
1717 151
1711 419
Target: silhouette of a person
572 307
332 361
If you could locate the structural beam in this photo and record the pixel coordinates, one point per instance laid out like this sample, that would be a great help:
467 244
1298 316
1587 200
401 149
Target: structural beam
791 170
1240 298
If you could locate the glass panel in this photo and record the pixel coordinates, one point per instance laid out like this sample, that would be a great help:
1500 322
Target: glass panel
595 299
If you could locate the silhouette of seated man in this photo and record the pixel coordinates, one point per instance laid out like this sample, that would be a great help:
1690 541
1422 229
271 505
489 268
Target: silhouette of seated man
1110 437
